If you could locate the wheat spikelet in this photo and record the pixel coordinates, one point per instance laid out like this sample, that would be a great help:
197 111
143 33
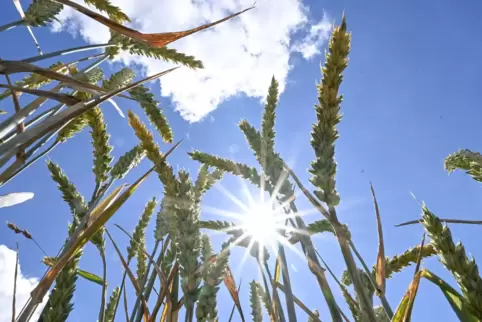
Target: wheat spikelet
72 128
255 302
119 79
146 99
60 303
69 192
42 12
188 240
453 256
115 13
127 162
466 160
100 143
410 256
151 149
324 133
111 305
139 231
237 169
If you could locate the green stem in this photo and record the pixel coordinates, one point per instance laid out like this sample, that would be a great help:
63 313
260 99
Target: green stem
368 313
275 294
120 292
104 286
309 250
266 287
290 304
147 292
189 313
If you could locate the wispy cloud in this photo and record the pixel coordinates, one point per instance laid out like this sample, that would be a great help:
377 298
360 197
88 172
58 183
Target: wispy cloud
239 56
311 44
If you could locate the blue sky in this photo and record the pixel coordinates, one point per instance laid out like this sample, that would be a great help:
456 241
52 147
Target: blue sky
411 94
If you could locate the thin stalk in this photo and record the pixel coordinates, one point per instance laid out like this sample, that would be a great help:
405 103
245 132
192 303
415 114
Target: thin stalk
120 291
104 286
309 250
126 310
96 190
144 280
287 283
275 293
267 291
342 287
343 241
65 52
67 65
189 314
32 135
11 25
10 123
379 293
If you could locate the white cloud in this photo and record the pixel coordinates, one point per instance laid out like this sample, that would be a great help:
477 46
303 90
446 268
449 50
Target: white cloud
239 55
310 45
24 286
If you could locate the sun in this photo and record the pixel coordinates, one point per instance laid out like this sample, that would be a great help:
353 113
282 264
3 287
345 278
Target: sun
261 223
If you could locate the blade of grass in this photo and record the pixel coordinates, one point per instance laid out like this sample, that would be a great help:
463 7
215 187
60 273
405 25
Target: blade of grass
404 309
126 310
8 125
380 276
231 286
61 97
279 313
30 136
234 305
131 277
104 286
456 300
63 52
154 40
445 220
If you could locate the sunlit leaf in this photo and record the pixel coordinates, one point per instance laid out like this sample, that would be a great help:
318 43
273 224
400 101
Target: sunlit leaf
380 272
404 309
154 40
231 286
